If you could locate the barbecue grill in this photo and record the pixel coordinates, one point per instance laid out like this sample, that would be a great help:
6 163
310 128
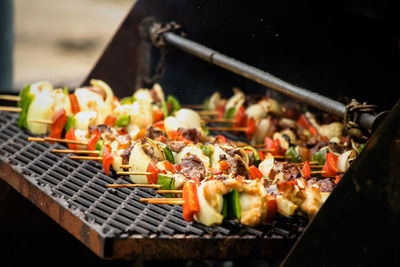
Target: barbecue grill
150 46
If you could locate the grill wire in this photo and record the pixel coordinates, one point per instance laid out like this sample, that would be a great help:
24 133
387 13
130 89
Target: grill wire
80 186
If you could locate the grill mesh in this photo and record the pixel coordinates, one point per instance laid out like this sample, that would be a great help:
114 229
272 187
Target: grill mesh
81 185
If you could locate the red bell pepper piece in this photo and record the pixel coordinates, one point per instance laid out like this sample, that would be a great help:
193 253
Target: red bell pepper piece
223 165
107 159
272 208
261 155
74 104
70 135
153 169
274 146
251 128
158 115
190 201
221 139
159 124
110 120
59 120
330 168
240 118
255 173
306 170
93 140
220 111
306 124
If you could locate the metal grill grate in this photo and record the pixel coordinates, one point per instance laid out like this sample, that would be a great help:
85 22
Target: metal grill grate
80 186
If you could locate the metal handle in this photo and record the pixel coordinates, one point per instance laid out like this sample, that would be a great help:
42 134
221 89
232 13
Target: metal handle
366 120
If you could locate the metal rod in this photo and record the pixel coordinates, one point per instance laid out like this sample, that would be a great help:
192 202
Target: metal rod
264 78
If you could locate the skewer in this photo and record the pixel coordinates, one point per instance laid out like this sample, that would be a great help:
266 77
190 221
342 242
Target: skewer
76 151
10 109
123 166
85 157
162 191
265 150
50 139
134 185
221 120
193 106
10 97
207 112
40 121
228 129
36 139
134 173
311 163
171 201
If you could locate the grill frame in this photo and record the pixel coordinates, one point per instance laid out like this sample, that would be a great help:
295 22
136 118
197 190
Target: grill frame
74 194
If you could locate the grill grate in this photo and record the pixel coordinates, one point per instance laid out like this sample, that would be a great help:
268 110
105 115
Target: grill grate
117 213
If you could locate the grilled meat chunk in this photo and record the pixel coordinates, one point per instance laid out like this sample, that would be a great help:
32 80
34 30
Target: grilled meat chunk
193 167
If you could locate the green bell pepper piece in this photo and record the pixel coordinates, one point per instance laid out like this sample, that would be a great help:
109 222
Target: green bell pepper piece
205 130
230 113
24 103
166 182
127 100
168 154
174 102
99 146
293 155
65 91
224 211
206 104
360 148
71 121
256 156
320 156
233 209
164 109
207 150
122 121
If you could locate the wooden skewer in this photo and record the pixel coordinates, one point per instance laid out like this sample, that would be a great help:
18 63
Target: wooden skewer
265 150
207 112
134 185
76 151
10 97
11 109
193 106
258 145
40 121
161 191
36 139
85 157
134 173
228 129
311 163
78 142
221 120
172 201
125 166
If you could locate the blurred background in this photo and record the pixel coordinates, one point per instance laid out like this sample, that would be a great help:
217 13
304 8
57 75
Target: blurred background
59 41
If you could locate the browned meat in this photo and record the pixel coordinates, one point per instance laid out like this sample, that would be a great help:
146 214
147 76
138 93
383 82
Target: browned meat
325 185
193 167
154 132
289 170
191 134
126 154
177 146
237 167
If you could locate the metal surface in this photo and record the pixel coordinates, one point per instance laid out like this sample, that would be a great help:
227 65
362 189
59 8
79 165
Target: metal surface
359 223
113 223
